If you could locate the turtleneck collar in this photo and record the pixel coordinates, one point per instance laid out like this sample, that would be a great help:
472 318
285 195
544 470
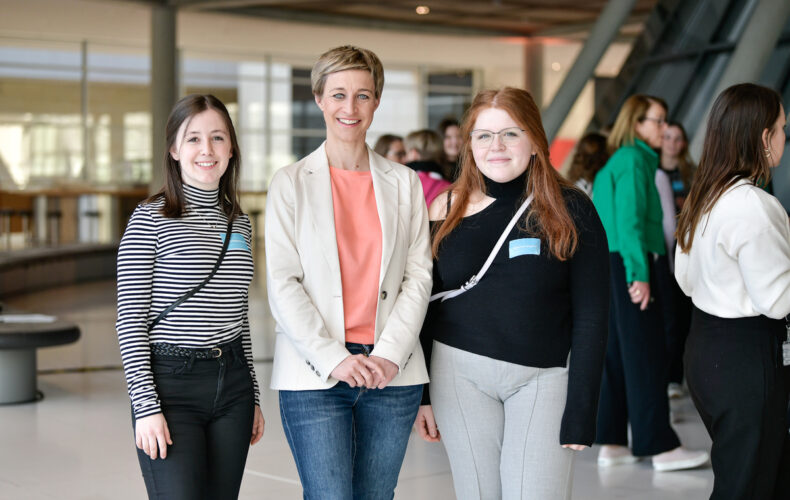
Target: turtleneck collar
511 190
201 198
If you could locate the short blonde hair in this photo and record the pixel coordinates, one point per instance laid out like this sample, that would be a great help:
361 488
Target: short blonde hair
633 111
345 58
427 143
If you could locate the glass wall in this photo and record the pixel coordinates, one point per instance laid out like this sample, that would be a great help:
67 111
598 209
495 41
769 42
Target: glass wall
77 114
41 131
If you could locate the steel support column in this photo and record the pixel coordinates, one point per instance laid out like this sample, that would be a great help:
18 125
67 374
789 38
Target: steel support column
605 30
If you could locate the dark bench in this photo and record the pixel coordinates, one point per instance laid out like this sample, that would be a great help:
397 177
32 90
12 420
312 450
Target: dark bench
18 344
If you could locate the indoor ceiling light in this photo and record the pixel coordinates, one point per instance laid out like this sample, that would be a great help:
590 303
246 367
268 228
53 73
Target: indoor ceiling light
422 10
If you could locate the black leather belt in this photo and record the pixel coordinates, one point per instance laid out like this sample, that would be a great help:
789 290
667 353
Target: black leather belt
171 350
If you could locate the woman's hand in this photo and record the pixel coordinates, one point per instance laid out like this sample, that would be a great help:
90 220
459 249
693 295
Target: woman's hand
575 447
257 425
426 425
383 370
152 435
640 293
354 371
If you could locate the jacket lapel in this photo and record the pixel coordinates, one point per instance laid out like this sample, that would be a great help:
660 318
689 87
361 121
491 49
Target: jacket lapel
385 189
318 187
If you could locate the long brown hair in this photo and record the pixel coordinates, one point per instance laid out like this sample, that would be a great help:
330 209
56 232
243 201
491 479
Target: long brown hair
173 189
634 110
547 215
733 150
590 157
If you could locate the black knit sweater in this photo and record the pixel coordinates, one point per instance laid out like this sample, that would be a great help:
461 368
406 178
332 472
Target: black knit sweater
530 308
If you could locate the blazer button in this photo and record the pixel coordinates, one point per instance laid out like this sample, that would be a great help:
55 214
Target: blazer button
318 374
383 295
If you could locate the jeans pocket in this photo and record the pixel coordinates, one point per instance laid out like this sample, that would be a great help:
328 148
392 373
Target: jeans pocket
164 367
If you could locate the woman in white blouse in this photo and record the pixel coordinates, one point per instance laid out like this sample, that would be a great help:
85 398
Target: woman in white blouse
733 260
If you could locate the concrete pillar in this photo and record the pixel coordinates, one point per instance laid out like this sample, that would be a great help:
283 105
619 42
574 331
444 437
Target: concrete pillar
605 30
533 70
17 375
164 86
750 56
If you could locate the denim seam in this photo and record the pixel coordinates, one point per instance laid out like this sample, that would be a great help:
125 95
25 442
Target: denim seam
220 384
289 433
152 476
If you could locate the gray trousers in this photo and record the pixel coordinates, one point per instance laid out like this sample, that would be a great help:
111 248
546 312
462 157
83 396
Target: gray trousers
500 425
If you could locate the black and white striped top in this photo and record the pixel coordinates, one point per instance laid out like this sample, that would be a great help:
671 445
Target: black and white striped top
159 260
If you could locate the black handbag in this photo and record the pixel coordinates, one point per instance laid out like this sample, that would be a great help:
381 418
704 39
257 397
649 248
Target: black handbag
195 290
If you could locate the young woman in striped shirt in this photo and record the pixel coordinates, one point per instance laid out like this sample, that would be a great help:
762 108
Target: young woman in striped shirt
189 369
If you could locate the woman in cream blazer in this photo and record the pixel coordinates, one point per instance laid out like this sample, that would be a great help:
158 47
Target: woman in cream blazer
348 303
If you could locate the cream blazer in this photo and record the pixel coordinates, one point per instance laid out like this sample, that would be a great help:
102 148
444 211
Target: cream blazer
303 273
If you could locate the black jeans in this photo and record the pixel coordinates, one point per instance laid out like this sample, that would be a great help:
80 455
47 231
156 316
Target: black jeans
634 385
209 408
735 377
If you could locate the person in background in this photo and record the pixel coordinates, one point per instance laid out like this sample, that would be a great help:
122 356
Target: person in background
733 260
423 152
511 404
677 163
195 402
635 374
348 265
391 147
590 157
673 181
450 132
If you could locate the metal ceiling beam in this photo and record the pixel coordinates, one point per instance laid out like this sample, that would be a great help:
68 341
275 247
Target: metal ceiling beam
359 22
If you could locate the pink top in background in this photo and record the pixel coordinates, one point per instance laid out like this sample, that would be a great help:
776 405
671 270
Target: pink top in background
358 232
432 185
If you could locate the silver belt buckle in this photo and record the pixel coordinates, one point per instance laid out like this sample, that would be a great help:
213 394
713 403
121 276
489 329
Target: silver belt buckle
216 352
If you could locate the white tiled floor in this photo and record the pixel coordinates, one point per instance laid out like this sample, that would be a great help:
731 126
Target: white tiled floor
77 442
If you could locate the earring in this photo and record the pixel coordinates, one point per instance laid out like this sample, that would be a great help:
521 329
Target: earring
767 152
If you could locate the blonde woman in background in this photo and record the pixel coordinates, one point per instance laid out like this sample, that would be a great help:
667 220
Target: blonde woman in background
635 373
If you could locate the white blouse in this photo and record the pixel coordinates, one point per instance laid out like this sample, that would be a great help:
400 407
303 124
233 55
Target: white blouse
739 262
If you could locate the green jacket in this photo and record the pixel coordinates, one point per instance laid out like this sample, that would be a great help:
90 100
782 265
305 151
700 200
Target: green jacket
625 195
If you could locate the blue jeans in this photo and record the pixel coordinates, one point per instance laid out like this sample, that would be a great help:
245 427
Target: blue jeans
349 443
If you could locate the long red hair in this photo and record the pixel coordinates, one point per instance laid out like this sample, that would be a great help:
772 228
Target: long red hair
547 216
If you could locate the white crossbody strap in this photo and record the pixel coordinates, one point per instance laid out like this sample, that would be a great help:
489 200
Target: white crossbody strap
475 279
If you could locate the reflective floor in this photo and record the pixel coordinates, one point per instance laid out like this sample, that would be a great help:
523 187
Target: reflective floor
77 442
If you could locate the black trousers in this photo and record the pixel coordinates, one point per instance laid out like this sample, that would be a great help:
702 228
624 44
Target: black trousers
736 380
634 385
676 307
209 408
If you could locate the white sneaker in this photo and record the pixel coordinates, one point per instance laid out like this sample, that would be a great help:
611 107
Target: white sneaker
611 455
678 459
675 390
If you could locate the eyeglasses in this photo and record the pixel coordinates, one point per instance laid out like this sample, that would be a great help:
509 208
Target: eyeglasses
659 121
508 136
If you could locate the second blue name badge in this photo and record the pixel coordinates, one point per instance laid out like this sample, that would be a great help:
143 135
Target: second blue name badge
524 246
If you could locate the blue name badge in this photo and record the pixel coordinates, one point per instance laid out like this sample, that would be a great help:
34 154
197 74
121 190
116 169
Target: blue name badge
237 242
524 246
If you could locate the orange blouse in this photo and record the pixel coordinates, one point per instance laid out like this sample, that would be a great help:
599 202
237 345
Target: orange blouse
358 232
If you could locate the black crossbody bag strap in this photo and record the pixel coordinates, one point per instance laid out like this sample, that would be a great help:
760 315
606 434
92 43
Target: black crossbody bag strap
198 287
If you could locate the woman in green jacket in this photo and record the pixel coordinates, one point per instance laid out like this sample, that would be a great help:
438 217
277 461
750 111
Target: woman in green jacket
635 373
